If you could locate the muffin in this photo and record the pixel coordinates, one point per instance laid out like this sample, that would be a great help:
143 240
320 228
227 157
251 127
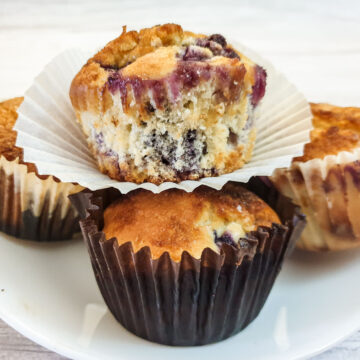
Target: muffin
325 180
175 221
165 104
33 206
183 268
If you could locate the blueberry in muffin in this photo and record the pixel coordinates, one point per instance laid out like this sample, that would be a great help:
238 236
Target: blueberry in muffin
165 104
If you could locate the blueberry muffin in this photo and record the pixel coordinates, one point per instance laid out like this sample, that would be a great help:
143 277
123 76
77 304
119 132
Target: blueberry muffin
165 104
183 268
176 221
325 180
33 206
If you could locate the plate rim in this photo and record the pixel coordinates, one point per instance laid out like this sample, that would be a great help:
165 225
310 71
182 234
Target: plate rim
73 352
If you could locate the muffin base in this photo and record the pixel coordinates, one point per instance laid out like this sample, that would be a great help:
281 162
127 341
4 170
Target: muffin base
328 190
194 301
33 208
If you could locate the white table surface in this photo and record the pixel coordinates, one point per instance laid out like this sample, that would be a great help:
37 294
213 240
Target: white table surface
315 43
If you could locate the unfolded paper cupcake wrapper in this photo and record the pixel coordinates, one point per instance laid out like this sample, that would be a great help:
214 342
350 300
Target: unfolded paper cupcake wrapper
328 190
51 138
194 301
33 208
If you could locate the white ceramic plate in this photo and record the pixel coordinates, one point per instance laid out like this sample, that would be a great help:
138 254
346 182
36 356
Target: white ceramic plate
49 294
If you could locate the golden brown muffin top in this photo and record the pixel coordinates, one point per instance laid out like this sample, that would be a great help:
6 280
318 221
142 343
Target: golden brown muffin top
335 129
8 149
8 116
149 54
118 53
131 45
176 221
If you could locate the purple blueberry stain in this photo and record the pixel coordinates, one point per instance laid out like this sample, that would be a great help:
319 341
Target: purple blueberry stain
187 75
99 139
230 53
191 70
174 88
218 39
164 147
138 88
218 45
195 53
203 42
111 153
117 83
192 153
213 46
159 92
258 89
225 238
113 81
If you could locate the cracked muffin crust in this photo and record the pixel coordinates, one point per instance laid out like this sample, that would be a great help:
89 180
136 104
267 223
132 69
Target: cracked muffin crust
8 116
164 104
177 221
335 129
8 149
325 180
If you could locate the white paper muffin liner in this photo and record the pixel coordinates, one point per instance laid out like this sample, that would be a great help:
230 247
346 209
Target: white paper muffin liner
328 190
33 208
52 139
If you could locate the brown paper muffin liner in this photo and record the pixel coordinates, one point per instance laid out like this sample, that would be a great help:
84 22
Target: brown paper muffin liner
194 301
33 208
328 190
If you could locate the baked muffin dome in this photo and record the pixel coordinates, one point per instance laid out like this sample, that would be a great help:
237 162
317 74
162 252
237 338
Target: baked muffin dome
8 149
325 180
164 104
335 129
8 116
177 221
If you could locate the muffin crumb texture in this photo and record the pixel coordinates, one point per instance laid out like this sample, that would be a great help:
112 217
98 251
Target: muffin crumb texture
176 221
164 104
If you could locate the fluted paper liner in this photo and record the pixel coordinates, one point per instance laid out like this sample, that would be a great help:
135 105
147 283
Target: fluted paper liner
328 190
33 208
194 301
51 138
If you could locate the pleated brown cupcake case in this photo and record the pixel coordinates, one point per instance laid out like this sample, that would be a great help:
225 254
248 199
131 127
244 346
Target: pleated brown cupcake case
194 301
328 191
35 208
